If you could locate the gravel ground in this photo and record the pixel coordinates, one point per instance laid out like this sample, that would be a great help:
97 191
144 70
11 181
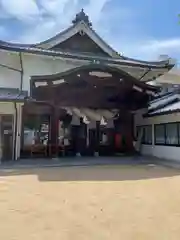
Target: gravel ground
92 202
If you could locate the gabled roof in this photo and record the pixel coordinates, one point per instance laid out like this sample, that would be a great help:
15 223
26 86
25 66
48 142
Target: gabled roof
141 70
71 31
80 25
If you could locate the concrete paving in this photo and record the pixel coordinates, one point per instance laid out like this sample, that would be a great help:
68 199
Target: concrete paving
88 161
77 161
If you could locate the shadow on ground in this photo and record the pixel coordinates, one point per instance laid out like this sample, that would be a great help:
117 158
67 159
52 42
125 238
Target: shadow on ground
95 173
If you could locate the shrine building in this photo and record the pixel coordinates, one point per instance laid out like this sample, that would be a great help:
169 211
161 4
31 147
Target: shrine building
74 95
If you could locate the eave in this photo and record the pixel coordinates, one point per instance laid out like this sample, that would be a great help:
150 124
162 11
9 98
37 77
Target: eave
35 50
96 67
142 70
12 95
161 113
167 104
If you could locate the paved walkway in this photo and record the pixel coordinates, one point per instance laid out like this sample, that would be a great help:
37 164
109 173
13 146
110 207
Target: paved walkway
77 161
88 161
169 163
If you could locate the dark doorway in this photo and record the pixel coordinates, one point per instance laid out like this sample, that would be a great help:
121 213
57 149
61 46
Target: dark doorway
7 137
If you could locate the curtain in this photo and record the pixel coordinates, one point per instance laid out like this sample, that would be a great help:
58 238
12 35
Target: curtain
172 134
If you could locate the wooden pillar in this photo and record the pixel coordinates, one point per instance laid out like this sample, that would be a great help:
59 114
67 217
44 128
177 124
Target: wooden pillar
128 133
22 127
97 137
54 131
123 129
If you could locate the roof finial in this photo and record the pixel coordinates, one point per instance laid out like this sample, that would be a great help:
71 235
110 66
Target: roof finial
81 16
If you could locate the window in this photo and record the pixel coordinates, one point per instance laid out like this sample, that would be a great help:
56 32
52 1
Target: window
160 134
171 133
167 134
138 130
146 134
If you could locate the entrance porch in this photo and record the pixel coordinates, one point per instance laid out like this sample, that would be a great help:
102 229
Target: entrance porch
75 132
83 112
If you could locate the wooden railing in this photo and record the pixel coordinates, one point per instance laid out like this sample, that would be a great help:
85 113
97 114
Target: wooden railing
49 150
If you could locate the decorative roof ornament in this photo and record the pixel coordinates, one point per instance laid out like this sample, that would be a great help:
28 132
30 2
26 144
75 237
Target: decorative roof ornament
81 16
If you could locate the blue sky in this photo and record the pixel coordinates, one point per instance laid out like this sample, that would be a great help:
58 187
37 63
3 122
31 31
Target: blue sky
141 29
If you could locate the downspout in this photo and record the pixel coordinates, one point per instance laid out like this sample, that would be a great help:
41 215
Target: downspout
15 106
15 130
21 71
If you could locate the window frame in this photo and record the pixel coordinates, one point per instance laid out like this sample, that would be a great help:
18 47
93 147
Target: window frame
155 130
138 127
165 134
143 137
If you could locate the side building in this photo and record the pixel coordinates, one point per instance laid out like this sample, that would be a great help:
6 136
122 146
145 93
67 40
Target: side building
159 127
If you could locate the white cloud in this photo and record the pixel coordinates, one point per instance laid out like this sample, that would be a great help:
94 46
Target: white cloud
59 16
162 44
154 48
117 25
54 8
24 10
95 9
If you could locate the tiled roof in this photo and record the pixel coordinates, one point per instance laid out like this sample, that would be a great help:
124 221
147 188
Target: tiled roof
167 103
12 94
126 61
95 67
164 101
173 107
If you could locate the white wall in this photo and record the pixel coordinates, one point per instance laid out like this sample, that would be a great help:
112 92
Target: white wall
10 59
9 77
43 65
164 152
7 108
32 65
